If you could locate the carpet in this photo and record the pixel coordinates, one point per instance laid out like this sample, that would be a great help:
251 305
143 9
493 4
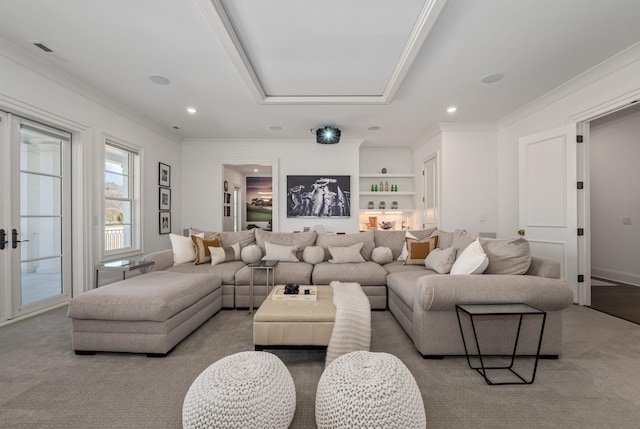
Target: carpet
43 384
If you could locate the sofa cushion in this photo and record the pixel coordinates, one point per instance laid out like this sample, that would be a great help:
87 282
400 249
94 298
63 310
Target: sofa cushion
251 254
507 256
405 248
418 250
313 255
343 240
403 284
382 255
285 272
245 238
396 266
366 273
182 247
440 260
445 238
461 239
225 271
276 252
201 232
394 239
225 254
300 239
201 247
345 255
472 260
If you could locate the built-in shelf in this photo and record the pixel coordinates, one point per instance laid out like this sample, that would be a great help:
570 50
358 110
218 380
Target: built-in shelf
396 176
387 193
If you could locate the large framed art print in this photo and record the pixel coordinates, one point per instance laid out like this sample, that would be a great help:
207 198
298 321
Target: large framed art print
325 196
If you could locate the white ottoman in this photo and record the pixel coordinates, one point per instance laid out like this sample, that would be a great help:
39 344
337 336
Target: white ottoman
368 390
244 390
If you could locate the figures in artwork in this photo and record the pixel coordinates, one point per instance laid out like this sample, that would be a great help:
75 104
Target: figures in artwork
310 196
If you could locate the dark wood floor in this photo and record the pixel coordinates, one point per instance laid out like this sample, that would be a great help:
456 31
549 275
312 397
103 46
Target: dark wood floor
622 301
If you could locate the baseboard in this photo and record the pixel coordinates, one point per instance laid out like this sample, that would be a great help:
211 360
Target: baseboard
616 276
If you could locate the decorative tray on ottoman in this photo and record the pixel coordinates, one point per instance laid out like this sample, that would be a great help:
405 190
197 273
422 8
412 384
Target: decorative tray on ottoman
302 295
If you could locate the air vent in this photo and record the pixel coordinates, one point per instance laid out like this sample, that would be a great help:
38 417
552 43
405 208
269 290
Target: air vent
43 47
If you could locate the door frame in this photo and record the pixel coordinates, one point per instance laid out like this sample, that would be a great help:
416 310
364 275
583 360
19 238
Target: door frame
435 157
582 121
83 163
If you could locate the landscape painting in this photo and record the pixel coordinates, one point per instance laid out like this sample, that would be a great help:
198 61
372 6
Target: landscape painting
259 199
319 196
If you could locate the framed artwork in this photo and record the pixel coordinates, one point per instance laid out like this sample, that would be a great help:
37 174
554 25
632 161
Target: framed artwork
227 211
164 175
227 198
165 199
259 198
165 222
319 196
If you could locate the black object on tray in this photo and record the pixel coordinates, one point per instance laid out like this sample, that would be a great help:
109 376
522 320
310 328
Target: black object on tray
291 289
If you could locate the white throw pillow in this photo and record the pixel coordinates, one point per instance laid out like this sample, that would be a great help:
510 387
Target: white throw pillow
472 260
224 254
276 252
313 255
382 255
405 251
346 255
183 250
440 260
251 254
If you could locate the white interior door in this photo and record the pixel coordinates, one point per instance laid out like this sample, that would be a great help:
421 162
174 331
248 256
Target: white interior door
548 198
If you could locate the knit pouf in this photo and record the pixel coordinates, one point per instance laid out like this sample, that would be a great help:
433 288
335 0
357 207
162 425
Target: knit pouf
368 390
244 390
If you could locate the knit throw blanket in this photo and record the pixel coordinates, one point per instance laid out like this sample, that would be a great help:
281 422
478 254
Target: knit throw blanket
352 327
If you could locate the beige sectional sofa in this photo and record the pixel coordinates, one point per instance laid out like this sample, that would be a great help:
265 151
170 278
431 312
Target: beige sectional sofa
422 300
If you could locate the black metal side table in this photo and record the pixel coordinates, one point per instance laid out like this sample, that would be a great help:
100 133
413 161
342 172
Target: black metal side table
266 266
482 310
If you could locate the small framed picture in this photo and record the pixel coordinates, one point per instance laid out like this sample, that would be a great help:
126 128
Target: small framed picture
165 222
164 175
164 199
227 198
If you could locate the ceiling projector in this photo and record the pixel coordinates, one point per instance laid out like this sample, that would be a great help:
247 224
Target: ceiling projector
328 135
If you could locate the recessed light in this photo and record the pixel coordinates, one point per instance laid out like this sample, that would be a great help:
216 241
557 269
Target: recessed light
374 128
255 170
275 128
160 80
492 77
192 110
452 109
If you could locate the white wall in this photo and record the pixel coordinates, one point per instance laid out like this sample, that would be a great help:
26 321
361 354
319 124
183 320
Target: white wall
202 177
468 176
28 88
613 82
615 181
233 177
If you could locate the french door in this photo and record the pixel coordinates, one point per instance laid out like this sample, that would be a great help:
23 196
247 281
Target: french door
35 245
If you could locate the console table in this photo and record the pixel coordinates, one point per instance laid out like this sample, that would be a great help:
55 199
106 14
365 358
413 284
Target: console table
123 265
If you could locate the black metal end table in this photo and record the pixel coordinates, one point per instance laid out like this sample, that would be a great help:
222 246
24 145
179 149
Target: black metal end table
482 310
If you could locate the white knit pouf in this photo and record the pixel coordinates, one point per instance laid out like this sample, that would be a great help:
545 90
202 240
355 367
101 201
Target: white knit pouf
244 390
368 390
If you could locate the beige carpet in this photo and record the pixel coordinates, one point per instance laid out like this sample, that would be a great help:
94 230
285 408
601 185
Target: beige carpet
595 384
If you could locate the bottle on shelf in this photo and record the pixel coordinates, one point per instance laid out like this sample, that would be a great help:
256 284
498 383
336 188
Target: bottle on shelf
375 188
381 186
372 187
386 186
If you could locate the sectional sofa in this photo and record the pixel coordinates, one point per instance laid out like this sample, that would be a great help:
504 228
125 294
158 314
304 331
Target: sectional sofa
417 289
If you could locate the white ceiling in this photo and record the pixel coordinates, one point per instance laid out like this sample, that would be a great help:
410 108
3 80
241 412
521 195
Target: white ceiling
114 46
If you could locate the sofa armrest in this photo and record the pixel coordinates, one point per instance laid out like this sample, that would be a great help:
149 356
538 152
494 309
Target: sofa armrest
542 267
443 292
162 260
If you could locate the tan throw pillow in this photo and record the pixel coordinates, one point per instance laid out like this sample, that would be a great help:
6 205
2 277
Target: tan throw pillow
346 255
224 254
201 246
441 260
405 251
418 250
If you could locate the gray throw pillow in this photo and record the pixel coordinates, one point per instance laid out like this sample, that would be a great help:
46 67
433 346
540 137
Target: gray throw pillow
440 260
507 256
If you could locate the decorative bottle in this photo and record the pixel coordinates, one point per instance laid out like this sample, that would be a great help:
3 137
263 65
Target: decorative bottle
381 188
375 188
386 186
372 187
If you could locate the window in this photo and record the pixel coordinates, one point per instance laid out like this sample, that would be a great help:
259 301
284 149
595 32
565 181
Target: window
121 199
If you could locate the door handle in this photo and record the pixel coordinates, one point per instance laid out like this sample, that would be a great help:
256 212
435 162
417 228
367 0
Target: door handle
521 232
3 239
14 239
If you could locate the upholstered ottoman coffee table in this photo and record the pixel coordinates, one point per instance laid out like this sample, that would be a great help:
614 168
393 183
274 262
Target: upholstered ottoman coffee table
295 323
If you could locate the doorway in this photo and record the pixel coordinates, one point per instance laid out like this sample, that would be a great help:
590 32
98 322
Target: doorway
36 223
